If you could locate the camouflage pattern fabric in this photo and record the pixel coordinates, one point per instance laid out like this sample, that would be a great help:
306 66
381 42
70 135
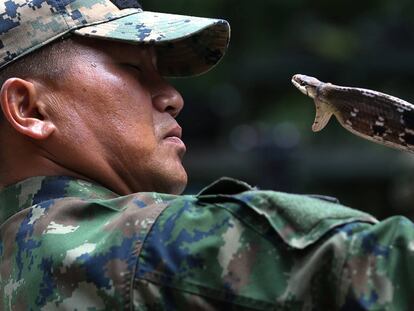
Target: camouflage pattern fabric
187 45
67 244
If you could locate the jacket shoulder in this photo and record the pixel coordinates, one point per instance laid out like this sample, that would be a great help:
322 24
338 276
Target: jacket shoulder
227 245
300 220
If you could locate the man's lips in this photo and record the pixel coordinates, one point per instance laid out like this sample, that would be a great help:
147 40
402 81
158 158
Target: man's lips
176 131
174 136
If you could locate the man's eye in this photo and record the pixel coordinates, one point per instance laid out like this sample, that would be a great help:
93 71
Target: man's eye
134 67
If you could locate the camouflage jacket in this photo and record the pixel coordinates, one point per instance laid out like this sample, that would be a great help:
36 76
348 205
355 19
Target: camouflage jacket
67 244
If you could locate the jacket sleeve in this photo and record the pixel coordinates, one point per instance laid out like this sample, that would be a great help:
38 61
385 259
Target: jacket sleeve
254 250
378 271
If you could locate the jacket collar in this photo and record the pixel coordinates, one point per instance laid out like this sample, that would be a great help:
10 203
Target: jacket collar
35 190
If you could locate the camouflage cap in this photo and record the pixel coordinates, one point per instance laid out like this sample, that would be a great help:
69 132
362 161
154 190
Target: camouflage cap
185 45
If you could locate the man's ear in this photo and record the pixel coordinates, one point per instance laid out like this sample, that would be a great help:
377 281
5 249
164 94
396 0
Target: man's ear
21 106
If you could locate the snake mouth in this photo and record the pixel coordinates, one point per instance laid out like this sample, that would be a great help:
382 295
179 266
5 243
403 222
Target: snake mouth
300 84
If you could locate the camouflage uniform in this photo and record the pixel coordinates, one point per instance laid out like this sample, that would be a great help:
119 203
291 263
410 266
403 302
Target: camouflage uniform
69 244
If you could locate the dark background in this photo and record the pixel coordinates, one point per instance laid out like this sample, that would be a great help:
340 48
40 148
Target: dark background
244 119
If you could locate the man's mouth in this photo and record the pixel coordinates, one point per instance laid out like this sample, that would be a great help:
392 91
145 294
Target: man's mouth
174 137
176 131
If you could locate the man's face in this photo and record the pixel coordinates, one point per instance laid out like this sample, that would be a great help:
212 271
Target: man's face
115 119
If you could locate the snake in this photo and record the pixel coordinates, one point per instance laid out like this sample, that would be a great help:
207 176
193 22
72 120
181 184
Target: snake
376 116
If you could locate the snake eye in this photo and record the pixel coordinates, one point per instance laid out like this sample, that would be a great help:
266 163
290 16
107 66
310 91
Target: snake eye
302 83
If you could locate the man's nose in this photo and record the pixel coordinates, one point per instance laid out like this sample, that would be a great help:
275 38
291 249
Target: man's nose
167 99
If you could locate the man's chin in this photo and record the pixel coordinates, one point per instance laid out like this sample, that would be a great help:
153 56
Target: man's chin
179 183
175 177
174 182
163 177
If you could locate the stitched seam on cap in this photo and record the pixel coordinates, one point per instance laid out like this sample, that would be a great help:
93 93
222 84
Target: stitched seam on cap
105 21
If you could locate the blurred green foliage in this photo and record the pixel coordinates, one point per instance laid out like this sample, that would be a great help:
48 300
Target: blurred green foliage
245 119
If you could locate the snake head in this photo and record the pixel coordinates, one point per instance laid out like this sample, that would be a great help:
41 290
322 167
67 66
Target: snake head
306 84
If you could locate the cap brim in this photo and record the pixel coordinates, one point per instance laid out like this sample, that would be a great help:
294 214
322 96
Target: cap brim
186 45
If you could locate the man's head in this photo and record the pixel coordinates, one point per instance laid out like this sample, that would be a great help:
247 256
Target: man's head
99 110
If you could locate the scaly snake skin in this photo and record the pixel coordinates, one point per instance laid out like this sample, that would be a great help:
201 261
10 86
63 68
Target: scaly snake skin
372 115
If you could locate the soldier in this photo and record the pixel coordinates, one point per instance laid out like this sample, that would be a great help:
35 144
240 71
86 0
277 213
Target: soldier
91 175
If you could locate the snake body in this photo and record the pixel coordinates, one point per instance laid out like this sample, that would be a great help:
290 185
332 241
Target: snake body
375 116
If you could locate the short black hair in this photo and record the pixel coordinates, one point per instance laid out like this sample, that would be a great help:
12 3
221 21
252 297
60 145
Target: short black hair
46 64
